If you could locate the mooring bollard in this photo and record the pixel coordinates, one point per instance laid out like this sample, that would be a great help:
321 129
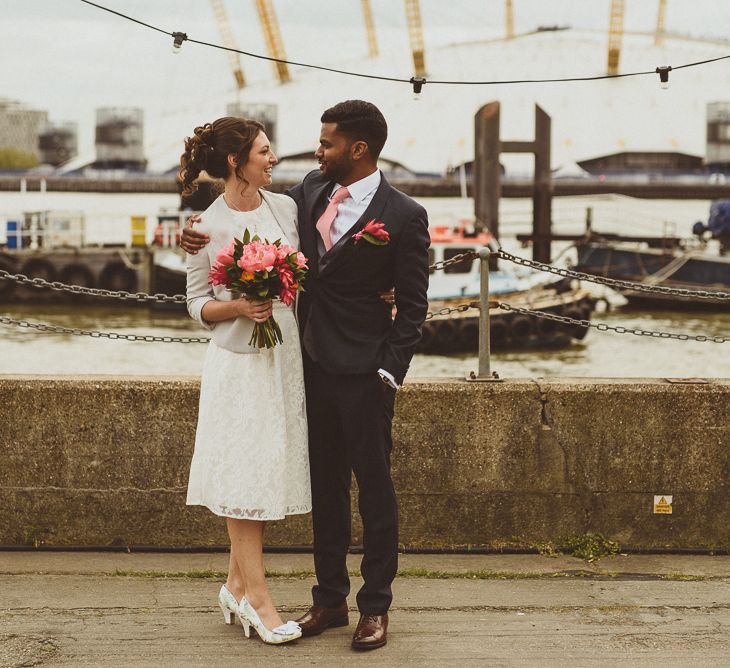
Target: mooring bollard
485 373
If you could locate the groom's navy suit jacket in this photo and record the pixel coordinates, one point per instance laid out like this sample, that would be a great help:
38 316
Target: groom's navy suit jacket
351 328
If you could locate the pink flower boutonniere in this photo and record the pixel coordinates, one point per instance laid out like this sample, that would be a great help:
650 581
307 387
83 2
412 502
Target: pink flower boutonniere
374 232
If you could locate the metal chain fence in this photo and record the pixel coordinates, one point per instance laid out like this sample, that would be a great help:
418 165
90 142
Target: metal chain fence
445 311
22 279
437 266
603 327
55 329
613 282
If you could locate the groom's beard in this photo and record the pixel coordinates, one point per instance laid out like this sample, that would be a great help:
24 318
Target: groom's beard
336 170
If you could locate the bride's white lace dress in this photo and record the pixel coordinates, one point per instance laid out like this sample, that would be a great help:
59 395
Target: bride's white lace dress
251 458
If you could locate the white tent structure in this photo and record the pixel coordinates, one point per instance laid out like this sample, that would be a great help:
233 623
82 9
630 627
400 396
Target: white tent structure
589 119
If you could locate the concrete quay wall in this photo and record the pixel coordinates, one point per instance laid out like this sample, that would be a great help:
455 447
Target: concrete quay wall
104 461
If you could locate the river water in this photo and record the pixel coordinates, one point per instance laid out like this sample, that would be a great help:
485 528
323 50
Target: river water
600 354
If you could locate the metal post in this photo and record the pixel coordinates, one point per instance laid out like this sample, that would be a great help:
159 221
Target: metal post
485 372
542 190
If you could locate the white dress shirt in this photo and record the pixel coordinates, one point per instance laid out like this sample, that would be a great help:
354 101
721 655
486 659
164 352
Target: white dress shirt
352 207
348 213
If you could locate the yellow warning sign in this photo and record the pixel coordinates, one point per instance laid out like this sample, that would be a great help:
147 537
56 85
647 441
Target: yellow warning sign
663 505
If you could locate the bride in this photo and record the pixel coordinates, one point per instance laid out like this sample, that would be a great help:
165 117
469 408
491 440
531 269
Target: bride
250 463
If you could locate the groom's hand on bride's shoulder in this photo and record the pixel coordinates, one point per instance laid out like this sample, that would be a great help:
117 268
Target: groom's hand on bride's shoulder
191 241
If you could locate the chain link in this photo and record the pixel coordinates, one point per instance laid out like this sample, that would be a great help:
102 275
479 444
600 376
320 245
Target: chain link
461 257
22 279
603 327
446 310
56 329
613 282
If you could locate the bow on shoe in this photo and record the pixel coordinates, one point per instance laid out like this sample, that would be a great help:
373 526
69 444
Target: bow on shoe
287 629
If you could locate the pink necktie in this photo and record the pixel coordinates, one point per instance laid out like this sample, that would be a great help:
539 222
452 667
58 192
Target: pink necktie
324 224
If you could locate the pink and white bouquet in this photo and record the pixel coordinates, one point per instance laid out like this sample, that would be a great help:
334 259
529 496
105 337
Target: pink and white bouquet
261 270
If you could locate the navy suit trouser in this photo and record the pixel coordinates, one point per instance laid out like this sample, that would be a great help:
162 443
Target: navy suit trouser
350 418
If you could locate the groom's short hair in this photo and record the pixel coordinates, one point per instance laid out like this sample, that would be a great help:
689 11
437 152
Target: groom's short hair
360 121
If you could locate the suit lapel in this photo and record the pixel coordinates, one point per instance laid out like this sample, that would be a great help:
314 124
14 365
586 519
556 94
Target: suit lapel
374 210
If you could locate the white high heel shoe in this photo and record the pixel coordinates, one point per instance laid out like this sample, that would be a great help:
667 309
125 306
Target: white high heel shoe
281 634
228 605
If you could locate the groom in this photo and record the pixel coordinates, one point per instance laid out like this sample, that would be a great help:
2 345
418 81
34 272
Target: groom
355 356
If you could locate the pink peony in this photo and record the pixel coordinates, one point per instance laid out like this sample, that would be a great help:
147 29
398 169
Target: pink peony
258 257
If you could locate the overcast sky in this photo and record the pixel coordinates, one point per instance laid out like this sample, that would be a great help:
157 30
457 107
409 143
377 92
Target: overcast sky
70 58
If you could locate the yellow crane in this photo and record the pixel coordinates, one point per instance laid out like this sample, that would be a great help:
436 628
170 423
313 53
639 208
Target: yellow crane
224 27
615 36
415 32
370 28
509 20
660 19
274 43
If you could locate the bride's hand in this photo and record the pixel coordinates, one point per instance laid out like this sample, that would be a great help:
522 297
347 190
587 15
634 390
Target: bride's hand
257 310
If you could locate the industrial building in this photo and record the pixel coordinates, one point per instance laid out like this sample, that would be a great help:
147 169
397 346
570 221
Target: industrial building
718 137
58 143
20 126
120 139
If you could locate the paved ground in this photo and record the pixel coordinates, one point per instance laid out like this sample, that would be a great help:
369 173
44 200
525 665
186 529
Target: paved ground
96 609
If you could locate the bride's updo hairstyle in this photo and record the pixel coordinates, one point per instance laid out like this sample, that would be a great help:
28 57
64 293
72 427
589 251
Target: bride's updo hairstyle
211 144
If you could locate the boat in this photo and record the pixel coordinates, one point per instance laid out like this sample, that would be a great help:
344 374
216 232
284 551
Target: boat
52 246
519 287
669 262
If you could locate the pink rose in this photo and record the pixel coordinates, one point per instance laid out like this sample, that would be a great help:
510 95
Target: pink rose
218 275
225 255
285 251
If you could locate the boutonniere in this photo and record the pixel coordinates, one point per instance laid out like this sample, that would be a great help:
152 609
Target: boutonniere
374 232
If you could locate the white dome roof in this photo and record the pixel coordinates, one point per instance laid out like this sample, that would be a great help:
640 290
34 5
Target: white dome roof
589 118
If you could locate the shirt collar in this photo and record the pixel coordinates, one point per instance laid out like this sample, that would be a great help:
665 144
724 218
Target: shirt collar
362 188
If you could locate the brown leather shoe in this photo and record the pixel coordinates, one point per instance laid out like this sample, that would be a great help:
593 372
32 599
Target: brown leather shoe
371 632
318 618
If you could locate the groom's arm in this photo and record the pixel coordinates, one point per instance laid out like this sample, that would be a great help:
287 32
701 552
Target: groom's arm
411 286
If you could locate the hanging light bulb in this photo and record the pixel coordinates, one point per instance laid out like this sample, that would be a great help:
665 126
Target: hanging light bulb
417 86
663 73
177 41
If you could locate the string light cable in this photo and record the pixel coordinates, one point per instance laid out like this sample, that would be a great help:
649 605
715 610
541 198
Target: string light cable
416 81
